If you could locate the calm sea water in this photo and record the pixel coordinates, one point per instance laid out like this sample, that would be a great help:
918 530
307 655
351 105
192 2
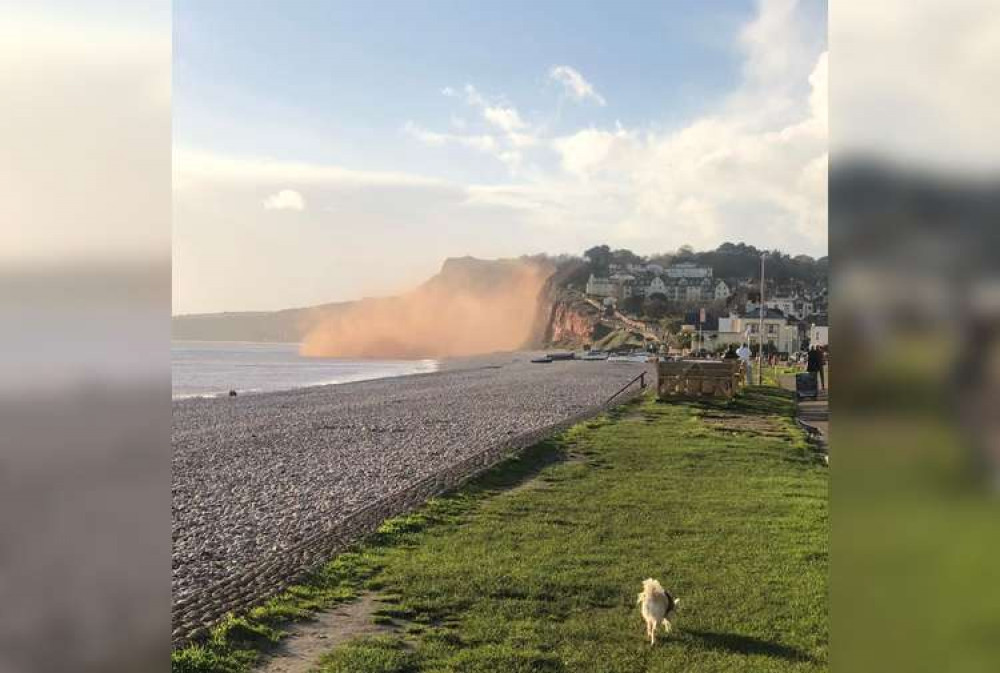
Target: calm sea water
209 368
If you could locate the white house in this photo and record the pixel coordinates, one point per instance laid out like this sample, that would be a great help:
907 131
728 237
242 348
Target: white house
722 291
692 289
819 335
656 286
600 287
796 307
777 332
688 270
693 293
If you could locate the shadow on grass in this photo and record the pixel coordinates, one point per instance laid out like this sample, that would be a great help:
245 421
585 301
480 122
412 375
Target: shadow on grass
752 401
518 469
734 643
527 464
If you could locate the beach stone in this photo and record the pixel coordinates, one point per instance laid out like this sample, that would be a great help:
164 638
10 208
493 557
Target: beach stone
261 472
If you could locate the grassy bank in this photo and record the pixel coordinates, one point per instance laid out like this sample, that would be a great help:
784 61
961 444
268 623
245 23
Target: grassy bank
535 566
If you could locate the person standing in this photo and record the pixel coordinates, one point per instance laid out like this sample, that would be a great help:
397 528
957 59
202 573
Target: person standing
744 354
814 365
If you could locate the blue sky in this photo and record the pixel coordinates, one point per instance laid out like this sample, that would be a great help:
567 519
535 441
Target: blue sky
342 75
440 110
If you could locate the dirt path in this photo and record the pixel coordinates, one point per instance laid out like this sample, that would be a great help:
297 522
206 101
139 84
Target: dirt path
301 650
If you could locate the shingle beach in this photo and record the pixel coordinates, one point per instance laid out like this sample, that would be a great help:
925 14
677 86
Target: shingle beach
256 474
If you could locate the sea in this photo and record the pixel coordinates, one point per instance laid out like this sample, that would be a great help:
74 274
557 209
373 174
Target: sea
213 368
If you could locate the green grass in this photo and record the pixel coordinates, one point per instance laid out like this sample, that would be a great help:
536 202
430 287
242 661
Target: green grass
544 578
619 338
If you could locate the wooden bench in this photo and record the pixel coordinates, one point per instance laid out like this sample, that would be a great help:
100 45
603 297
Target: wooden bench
699 378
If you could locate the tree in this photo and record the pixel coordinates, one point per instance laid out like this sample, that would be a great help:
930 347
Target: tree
632 305
599 257
625 257
656 306
672 325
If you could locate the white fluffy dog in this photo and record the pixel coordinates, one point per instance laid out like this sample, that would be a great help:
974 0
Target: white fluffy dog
656 606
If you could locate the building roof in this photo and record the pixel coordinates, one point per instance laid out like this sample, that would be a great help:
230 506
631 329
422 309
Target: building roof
769 314
711 323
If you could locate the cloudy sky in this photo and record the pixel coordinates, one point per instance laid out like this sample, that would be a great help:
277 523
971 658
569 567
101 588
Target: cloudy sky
327 151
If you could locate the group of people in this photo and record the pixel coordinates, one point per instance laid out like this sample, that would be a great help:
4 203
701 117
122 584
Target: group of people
816 364
815 361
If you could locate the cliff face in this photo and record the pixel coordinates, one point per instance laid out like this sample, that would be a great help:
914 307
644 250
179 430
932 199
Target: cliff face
572 323
563 319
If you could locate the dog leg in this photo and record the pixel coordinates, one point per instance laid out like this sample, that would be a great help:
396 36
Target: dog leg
667 626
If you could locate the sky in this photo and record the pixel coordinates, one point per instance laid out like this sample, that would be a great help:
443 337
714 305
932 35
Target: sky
329 151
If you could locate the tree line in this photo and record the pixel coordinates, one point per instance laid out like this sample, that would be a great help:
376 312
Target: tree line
729 260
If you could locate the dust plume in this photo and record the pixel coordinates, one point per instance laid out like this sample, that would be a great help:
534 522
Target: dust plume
471 307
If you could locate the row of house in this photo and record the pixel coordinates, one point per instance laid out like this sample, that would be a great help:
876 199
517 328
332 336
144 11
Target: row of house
783 333
801 305
684 282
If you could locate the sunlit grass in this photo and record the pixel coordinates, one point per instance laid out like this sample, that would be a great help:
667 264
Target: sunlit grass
544 577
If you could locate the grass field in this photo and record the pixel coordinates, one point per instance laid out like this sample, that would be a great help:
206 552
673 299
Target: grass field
536 565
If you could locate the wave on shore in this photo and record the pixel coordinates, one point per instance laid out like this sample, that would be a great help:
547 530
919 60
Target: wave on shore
208 370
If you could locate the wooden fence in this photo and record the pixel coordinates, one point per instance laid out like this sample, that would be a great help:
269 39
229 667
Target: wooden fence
685 379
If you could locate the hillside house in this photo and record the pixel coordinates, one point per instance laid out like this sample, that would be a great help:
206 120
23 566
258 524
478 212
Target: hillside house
600 287
722 291
779 331
819 332
688 270
793 306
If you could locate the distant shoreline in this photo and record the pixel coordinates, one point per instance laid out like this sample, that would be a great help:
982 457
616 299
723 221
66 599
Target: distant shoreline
204 370
421 367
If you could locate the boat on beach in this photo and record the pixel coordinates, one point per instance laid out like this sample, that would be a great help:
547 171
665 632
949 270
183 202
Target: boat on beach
629 357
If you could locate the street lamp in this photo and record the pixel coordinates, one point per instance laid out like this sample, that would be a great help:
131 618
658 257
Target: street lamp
760 329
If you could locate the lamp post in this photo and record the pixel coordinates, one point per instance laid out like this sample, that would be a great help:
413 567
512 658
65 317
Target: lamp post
760 328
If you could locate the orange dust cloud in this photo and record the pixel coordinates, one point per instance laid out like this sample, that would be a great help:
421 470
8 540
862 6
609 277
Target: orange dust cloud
471 307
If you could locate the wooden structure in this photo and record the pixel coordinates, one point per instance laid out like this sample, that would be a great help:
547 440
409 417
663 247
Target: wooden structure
699 378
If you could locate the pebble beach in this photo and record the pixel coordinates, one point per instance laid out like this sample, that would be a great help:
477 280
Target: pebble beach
256 474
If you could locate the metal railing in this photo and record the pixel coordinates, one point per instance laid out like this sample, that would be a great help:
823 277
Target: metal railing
641 378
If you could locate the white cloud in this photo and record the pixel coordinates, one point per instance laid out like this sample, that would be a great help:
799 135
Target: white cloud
753 168
504 118
286 199
498 114
576 86
192 168
473 97
509 133
482 143
590 149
